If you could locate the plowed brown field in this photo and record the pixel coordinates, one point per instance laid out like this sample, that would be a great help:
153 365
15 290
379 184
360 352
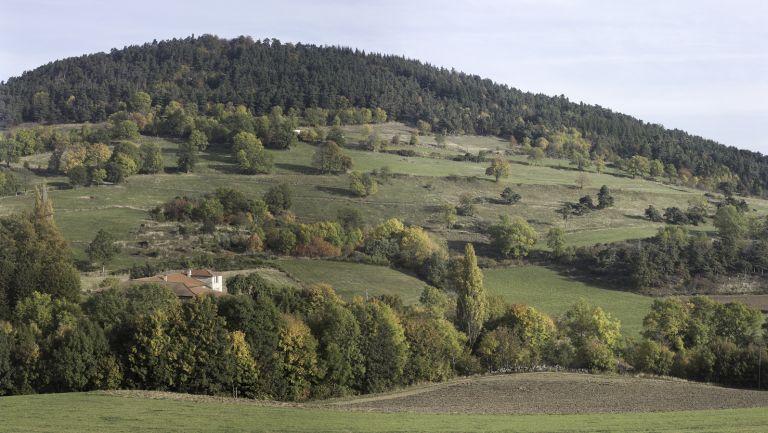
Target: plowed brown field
558 393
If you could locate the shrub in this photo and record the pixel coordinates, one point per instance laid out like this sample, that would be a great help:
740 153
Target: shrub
279 198
509 196
653 214
318 247
281 240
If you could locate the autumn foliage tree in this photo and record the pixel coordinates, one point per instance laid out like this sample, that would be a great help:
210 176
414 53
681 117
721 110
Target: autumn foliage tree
499 168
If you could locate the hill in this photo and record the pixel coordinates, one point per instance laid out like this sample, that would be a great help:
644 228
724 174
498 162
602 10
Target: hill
262 74
414 192
450 408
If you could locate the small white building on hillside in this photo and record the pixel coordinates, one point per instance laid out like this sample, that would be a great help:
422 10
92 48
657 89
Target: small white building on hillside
190 284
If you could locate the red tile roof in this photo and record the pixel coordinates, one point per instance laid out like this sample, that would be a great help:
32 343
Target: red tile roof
183 286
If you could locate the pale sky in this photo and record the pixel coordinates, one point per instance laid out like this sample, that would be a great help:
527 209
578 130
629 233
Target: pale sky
696 65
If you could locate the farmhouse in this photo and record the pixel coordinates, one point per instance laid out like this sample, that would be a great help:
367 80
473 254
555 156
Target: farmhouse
193 283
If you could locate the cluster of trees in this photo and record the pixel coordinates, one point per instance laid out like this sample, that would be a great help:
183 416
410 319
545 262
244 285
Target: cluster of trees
35 257
290 344
207 70
250 154
700 339
28 141
363 184
697 211
330 159
269 225
84 153
225 206
586 204
343 114
674 215
675 259
93 164
284 343
639 165
220 123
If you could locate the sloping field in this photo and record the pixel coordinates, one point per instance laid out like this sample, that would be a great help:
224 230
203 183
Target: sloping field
571 402
415 194
560 393
552 293
355 279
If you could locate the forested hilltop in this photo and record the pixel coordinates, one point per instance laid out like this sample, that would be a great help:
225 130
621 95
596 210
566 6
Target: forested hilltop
263 74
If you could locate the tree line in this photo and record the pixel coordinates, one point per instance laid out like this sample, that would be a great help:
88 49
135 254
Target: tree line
284 343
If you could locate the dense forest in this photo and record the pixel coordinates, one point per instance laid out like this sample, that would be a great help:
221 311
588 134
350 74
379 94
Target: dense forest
262 74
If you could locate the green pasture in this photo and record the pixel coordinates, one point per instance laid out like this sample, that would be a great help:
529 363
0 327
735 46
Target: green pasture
355 279
415 193
553 293
98 412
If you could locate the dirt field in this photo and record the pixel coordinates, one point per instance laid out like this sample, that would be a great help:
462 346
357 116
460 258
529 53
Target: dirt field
755 301
558 393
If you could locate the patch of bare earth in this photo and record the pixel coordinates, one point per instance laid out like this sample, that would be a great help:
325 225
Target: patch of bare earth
558 393
759 302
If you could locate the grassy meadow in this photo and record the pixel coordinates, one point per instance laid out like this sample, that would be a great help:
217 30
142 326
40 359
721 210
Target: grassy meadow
97 412
539 286
414 193
546 289
354 279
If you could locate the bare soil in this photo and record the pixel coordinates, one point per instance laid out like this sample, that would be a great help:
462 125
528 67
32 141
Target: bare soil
759 302
521 393
559 393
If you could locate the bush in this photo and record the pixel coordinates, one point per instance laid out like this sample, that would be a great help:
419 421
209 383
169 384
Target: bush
512 238
509 196
595 356
279 198
466 205
673 215
318 247
651 357
653 214
78 176
387 249
281 240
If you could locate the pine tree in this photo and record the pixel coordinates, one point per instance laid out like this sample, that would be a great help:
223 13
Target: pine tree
472 302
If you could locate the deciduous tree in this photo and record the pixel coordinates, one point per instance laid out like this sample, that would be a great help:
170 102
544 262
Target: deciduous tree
512 238
499 168
472 301
102 248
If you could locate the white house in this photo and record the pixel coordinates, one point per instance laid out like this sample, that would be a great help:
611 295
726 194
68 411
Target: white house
214 281
190 284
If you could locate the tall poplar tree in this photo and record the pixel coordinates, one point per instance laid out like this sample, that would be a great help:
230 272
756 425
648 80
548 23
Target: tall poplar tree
472 302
